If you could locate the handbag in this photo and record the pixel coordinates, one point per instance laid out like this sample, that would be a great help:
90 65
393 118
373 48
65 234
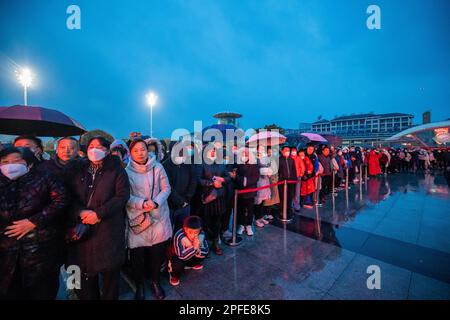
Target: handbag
142 221
80 231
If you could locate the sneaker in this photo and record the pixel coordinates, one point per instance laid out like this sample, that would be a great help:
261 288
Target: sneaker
259 223
249 230
174 280
307 206
240 230
264 221
227 234
196 267
268 217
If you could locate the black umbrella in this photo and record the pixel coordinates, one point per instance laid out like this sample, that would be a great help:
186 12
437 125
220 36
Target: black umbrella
39 121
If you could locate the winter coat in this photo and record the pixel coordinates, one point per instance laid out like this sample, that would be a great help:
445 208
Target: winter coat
42 199
374 163
183 183
299 165
286 169
104 247
326 164
247 178
206 183
308 179
149 182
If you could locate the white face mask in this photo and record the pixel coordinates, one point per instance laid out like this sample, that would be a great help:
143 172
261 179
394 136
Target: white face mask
244 159
151 154
13 170
95 154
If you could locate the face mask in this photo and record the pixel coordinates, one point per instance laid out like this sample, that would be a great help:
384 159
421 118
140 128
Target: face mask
244 159
294 154
95 154
151 154
286 154
13 170
211 158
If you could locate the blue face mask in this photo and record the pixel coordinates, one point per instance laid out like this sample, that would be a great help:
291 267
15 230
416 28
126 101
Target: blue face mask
190 152
151 154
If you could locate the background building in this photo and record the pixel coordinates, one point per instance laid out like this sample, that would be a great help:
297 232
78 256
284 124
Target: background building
364 129
228 118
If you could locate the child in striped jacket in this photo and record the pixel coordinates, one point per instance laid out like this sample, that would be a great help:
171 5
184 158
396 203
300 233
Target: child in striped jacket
189 249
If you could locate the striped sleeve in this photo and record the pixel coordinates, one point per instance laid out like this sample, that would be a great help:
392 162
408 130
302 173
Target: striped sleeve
204 249
183 247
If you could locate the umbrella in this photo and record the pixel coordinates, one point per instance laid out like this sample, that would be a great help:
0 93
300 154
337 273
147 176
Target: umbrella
223 128
39 121
314 137
268 138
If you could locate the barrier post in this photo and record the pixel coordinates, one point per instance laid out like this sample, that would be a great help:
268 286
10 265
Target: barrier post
360 182
285 204
333 182
319 187
346 178
235 239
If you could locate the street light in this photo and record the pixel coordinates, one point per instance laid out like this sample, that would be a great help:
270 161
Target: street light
151 101
25 77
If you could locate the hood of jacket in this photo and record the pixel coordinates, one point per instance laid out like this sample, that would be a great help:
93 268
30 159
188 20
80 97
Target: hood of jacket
142 168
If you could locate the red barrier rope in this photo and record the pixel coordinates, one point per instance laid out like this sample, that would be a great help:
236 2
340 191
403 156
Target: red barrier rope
265 187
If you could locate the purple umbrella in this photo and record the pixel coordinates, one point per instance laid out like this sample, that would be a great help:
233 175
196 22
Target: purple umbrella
39 121
314 137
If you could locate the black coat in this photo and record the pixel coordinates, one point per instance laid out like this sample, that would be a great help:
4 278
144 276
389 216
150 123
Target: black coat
286 169
207 172
59 170
326 164
183 183
41 198
104 248
251 174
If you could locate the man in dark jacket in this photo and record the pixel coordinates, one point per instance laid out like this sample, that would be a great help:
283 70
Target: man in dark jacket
326 176
287 171
66 152
183 182
100 190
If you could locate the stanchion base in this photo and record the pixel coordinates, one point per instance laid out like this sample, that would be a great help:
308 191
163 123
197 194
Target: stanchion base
230 242
286 220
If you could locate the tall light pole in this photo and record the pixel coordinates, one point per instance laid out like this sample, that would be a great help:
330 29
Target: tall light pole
25 77
151 101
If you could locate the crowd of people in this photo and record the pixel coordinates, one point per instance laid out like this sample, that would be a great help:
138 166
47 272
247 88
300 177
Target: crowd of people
140 208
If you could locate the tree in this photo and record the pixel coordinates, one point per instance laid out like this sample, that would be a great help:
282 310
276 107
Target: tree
273 127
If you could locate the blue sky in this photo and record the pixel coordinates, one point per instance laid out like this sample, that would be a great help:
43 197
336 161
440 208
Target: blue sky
273 61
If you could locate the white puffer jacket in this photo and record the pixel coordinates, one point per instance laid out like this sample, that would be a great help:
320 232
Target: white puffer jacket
141 184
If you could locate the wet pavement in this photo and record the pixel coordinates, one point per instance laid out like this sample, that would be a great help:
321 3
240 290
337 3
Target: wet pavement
400 223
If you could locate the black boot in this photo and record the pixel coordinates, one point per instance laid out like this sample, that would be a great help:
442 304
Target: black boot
158 292
140 292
